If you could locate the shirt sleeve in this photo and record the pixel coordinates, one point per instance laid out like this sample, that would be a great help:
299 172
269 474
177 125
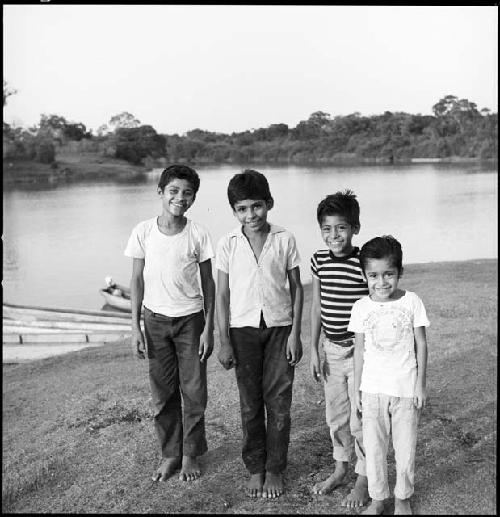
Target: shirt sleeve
419 313
314 266
222 255
135 244
206 251
293 257
356 320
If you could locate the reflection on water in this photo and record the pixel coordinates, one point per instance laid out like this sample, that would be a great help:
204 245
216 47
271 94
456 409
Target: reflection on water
61 241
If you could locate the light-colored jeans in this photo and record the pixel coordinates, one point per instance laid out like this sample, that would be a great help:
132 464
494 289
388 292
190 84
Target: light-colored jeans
341 415
380 414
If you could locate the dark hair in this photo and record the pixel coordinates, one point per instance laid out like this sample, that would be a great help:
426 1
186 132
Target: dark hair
248 184
341 203
182 172
382 247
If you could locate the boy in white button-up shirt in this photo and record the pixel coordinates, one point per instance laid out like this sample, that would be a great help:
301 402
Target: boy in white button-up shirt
259 309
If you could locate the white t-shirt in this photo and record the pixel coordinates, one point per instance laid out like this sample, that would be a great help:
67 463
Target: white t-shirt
171 271
389 365
261 285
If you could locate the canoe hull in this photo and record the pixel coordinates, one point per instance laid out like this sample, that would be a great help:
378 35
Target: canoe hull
118 302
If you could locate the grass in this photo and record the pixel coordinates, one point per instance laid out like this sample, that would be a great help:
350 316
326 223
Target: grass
78 434
70 166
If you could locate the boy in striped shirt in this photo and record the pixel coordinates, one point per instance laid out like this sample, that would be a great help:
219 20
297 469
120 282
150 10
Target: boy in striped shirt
337 283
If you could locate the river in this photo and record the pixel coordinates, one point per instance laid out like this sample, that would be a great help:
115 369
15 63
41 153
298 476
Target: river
61 241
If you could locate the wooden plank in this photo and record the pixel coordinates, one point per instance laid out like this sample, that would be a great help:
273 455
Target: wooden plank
11 338
63 311
53 338
68 325
106 337
38 314
22 329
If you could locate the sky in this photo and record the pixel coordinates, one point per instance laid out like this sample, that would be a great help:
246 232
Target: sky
235 68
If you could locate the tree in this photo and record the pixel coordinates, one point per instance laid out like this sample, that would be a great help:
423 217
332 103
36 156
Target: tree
123 120
134 144
7 92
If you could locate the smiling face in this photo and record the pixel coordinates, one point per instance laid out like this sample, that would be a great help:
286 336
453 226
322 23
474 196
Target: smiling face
337 234
177 196
382 277
252 214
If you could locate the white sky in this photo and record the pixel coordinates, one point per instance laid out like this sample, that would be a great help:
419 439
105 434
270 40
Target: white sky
232 68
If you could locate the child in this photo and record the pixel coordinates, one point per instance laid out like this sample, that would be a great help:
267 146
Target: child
390 361
259 308
168 253
337 282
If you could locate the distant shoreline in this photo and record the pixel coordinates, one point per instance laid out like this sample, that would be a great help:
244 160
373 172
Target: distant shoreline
96 168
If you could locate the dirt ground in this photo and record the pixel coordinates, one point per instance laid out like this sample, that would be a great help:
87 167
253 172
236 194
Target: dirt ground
78 434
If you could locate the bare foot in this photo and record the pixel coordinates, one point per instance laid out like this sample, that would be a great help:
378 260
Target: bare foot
190 469
167 467
333 481
376 507
402 507
273 485
254 485
359 494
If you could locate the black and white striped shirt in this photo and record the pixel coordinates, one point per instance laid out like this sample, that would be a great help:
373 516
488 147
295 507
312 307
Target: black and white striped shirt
341 284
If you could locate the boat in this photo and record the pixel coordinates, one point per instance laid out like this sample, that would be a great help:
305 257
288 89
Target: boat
24 324
116 295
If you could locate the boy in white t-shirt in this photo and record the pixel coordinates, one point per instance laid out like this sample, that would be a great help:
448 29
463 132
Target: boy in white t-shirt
390 360
172 277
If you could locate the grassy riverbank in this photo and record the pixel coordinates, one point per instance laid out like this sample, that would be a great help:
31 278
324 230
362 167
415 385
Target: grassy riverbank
69 168
78 435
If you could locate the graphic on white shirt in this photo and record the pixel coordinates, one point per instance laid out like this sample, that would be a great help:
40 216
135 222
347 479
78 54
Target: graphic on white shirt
389 329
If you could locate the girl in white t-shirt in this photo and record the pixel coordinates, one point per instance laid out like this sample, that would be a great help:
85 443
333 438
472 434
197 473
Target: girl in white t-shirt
390 361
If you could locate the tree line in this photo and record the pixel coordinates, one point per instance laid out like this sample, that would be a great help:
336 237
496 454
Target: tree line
456 129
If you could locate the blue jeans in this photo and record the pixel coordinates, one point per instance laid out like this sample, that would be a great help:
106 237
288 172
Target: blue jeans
264 380
175 368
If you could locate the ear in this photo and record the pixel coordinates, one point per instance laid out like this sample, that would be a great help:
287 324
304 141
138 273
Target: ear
355 229
270 203
401 272
364 276
160 191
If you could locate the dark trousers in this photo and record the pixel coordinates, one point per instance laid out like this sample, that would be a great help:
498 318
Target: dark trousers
175 368
264 380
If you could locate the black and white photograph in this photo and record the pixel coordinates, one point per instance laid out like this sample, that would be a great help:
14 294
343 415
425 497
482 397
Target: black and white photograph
250 259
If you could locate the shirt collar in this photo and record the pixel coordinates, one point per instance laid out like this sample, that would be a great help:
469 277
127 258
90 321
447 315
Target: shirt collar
353 253
238 231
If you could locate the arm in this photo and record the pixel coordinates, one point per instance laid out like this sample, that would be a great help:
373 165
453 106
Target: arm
421 352
314 361
226 354
136 297
208 288
359 345
294 345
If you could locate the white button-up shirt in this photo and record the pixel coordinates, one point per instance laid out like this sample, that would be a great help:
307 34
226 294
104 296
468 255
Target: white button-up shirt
261 285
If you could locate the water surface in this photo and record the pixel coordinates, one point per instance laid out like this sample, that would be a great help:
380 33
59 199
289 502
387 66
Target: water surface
60 242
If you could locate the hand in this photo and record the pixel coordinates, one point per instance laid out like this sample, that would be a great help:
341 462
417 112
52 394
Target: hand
315 366
294 350
206 345
138 344
226 356
420 397
357 401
